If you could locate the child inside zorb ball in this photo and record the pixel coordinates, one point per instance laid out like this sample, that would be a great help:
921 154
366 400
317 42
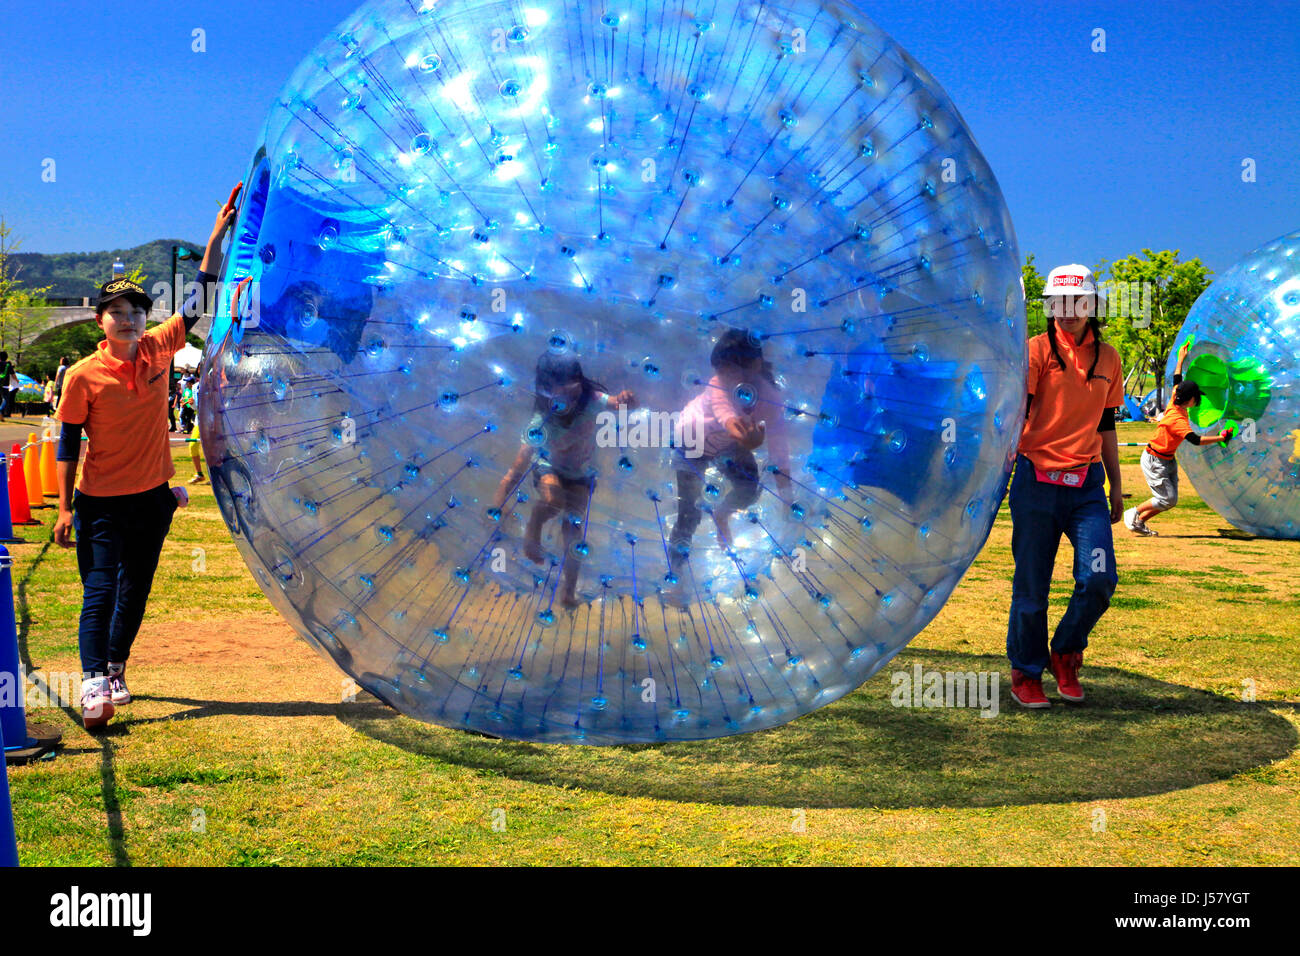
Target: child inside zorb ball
738 411
562 438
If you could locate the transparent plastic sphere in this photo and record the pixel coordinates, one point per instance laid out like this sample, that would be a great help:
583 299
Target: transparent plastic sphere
1245 355
767 242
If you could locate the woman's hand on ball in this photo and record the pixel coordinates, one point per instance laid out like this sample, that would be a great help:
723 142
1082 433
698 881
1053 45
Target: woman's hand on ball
225 219
211 263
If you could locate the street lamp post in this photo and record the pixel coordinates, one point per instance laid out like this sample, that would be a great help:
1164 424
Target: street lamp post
179 254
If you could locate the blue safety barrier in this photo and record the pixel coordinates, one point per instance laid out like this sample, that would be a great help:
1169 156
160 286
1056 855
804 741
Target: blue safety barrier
13 715
6 518
8 839
10 729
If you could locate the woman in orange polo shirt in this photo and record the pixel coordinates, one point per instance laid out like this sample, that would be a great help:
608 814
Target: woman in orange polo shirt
122 507
1075 385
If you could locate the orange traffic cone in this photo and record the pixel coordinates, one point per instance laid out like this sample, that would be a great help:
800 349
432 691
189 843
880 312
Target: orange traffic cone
32 472
19 507
49 472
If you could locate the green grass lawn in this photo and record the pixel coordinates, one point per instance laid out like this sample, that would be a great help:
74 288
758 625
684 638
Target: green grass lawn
239 749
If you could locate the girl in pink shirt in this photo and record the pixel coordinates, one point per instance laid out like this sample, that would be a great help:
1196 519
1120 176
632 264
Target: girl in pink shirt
739 409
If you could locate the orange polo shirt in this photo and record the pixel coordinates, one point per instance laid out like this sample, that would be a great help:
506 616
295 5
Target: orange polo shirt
1171 430
123 406
1061 428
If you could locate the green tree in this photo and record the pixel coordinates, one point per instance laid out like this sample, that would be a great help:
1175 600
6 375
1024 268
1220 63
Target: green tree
10 268
1035 317
20 308
1149 297
26 313
41 358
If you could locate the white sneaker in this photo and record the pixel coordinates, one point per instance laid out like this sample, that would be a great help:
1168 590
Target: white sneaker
96 703
117 685
1141 527
1137 525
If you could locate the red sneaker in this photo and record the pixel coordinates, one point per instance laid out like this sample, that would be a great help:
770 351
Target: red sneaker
1028 691
1065 668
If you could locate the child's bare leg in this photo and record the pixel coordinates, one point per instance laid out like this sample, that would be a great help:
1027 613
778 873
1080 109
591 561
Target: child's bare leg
568 595
576 503
741 469
1149 509
547 507
722 520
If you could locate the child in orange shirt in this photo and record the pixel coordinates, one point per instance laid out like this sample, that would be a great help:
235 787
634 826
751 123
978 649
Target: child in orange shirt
122 507
1159 466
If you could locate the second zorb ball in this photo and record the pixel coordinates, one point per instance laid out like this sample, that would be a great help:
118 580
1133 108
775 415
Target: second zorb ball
1245 355
609 373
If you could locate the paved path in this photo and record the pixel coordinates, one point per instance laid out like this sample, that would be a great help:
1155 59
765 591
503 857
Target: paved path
17 428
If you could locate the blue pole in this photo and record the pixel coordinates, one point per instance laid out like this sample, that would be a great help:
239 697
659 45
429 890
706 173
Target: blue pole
13 715
6 520
8 839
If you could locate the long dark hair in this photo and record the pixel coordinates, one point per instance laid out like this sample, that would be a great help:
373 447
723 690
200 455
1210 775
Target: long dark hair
556 370
738 346
1094 323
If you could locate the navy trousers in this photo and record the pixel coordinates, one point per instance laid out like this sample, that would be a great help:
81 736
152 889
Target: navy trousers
119 540
1040 514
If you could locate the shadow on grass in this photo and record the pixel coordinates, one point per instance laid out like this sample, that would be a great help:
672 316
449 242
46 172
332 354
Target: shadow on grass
107 764
198 709
1134 737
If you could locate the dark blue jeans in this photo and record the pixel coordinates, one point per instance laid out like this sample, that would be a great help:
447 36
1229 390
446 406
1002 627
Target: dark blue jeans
119 540
1040 514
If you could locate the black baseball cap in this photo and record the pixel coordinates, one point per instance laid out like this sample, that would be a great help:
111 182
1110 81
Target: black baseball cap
122 289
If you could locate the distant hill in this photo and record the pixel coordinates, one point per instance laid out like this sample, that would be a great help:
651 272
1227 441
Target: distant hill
78 274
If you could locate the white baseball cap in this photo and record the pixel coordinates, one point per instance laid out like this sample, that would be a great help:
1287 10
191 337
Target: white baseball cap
1071 280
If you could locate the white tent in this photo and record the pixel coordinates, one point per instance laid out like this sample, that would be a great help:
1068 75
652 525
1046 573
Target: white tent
189 357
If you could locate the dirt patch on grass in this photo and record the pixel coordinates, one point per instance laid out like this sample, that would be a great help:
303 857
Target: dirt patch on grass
227 641
242 658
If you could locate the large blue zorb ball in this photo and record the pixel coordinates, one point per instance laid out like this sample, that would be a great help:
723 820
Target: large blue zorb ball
451 196
1245 355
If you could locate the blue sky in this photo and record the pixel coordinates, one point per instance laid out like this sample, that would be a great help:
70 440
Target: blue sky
1099 154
